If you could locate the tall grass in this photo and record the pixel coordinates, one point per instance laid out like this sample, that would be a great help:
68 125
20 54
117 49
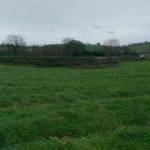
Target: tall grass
74 109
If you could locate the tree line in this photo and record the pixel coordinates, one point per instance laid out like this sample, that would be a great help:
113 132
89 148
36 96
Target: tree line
15 45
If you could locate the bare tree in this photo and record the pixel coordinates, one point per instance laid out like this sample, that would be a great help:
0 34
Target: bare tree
110 46
67 40
112 42
15 42
73 47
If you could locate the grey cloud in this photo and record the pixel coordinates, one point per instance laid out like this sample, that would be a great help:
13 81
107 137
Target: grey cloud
48 21
96 26
111 32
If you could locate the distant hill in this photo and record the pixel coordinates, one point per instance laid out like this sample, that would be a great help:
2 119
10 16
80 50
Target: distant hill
141 47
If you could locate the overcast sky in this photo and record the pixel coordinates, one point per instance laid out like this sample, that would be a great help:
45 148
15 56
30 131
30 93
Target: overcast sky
49 21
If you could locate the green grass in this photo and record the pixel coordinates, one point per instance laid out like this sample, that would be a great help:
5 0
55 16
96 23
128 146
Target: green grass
142 48
73 109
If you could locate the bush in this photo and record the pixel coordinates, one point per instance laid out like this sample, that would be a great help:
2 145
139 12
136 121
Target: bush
71 49
74 48
57 61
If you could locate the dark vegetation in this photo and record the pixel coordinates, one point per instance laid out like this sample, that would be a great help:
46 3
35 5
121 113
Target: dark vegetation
73 48
70 53
59 61
61 55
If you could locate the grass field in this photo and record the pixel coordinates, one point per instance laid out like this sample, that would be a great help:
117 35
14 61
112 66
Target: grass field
142 48
73 109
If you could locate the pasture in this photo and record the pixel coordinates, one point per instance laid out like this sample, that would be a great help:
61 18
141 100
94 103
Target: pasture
75 109
141 48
